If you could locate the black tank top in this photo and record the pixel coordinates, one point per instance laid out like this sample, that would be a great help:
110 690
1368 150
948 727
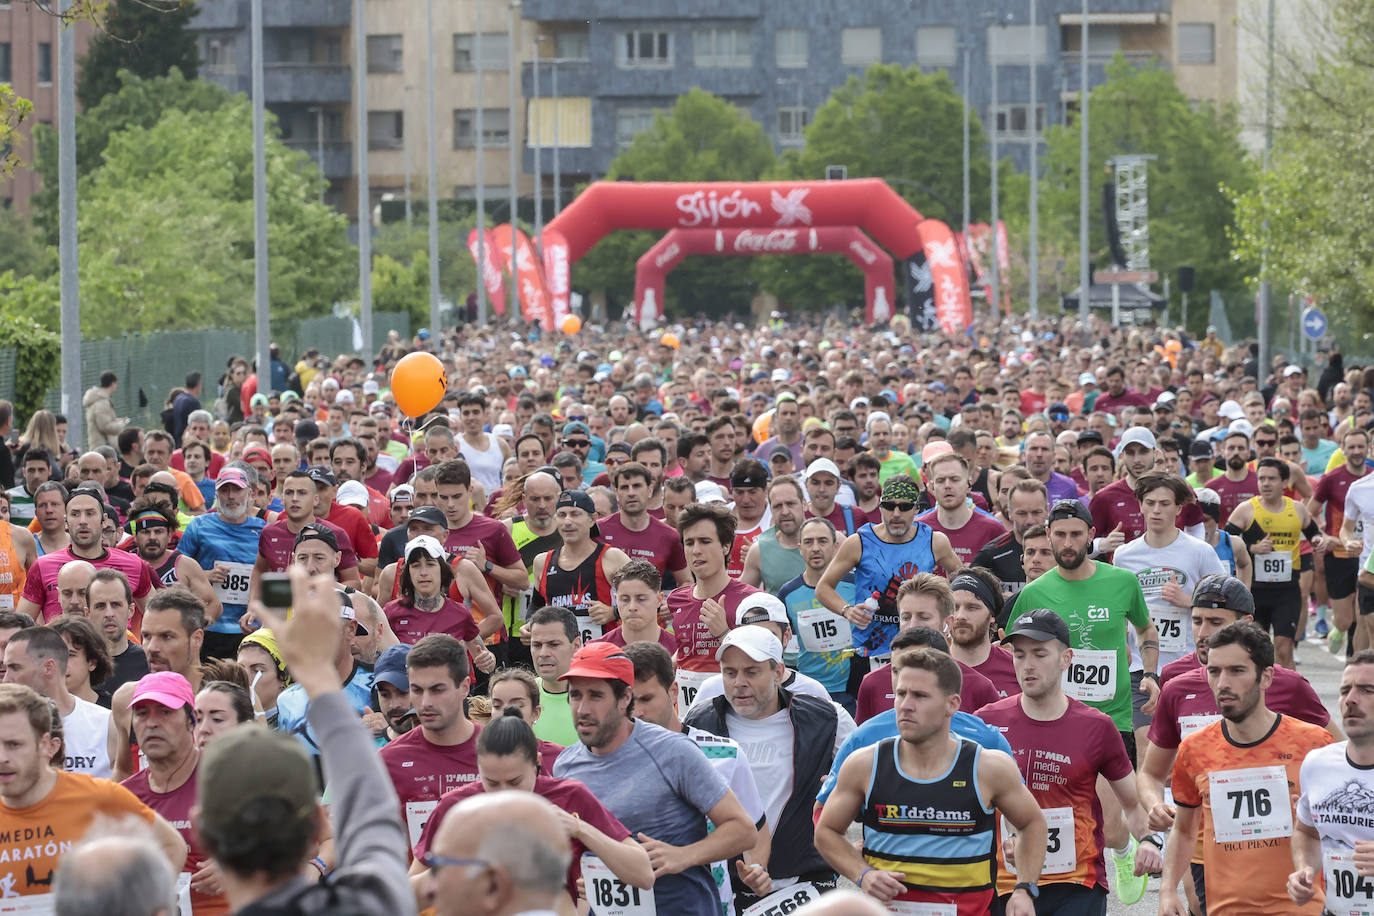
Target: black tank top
167 572
577 588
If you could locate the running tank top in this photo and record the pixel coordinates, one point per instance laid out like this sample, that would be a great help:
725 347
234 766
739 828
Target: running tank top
167 572
1284 528
937 833
11 570
529 545
777 564
485 465
577 588
883 567
1225 552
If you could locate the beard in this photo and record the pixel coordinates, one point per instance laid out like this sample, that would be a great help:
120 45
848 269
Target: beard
1071 559
1235 463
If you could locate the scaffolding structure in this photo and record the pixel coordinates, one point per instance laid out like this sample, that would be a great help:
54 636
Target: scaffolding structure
1133 208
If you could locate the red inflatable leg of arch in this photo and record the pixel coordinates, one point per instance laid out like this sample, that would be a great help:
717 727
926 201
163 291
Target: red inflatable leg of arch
653 267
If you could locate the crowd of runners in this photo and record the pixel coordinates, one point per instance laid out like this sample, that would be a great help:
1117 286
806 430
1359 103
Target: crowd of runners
722 620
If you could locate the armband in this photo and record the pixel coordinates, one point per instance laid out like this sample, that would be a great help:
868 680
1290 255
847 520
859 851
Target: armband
1232 529
1150 644
319 864
1311 530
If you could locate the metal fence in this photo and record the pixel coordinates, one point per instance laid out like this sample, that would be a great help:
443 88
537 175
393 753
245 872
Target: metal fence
1235 313
151 365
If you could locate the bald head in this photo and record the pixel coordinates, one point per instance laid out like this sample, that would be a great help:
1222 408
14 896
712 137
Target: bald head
73 579
163 477
117 873
522 844
91 468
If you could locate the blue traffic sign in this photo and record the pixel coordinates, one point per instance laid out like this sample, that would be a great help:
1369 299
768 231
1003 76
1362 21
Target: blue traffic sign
1313 323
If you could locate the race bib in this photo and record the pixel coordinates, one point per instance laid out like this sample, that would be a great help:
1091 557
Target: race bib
589 629
184 891
915 908
417 815
1250 804
609 896
7 602
1170 623
1274 567
1348 893
36 905
780 903
234 589
1091 676
1061 850
822 631
688 684
1189 724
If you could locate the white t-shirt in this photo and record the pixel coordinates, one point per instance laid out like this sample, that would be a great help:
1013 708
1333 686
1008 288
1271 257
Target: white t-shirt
85 746
714 687
1187 560
1359 508
768 744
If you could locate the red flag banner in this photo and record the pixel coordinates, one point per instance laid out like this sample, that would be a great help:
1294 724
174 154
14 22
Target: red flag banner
490 269
557 272
953 306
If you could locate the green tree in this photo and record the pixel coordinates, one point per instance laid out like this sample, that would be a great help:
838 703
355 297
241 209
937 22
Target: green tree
703 138
1309 212
895 123
139 102
145 37
21 249
408 246
166 228
1140 110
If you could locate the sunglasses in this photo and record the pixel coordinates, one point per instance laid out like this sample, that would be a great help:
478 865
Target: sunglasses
577 443
614 461
577 418
896 506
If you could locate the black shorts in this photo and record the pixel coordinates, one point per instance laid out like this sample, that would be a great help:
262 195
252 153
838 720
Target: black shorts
1305 562
1063 900
1278 607
1199 884
1128 738
1341 576
1365 600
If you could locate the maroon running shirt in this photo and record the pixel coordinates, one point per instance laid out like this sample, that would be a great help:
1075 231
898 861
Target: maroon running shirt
1000 668
875 692
276 542
411 624
175 806
1115 504
422 772
696 644
659 543
968 540
1186 704
1234 492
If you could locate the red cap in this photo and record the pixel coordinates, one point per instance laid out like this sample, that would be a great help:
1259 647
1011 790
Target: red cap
165 687
604 660
256 453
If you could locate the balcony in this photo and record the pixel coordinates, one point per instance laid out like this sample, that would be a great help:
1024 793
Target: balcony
575 78
1069 62
338 156
567 10
289 82
234 14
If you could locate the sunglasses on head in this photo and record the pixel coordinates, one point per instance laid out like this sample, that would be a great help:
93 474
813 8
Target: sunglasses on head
891 506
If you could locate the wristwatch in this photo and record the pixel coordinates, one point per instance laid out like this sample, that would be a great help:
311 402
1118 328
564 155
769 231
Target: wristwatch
1151 675
1029 888
487 567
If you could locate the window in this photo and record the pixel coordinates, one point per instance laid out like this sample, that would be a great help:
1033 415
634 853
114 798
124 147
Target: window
1014 120
1104 40
644 48
45 63
1196 43
495 48
495 127
331 50
384 54
1011 44
219 55
572 45
791 46
632 120
937 46
385 129
792 122
5 74
721 48
860 47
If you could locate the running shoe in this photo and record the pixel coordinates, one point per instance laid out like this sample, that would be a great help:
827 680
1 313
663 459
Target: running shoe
1333 642
1321 627
1129 888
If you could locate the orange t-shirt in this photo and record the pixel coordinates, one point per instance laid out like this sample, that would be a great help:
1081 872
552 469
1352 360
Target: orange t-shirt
11 569
33 839
1247 867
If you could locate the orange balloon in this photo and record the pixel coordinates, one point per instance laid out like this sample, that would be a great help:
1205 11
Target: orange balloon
571 324
762 425
418 384
670 340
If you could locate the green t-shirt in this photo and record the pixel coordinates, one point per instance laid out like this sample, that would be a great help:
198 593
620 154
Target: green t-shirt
1194 482
897 463
1096 610
555 719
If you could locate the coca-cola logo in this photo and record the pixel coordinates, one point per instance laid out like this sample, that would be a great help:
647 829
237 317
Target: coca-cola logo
775 241
709 208
668 255
862 252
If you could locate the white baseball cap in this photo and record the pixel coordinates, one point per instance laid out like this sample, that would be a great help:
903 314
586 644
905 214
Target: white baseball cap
708 491
821 466
353 493
426 543
756 642
1231 410
1136 435
763 601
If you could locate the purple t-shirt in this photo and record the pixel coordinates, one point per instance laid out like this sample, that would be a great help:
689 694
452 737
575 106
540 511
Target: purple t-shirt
277 541
659 543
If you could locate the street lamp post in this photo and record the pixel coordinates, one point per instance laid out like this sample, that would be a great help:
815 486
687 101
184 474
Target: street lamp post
512 137
1084 278
477 126
405 144
1034 263
318 112
433 190
993 155
360 131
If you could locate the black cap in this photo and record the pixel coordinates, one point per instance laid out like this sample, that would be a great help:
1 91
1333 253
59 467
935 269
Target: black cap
322 475
1059 407
314 531
748 474
1090 435
429 515
1200 448
618 447
1224 592
578 499
307 430
1040 624
1070 508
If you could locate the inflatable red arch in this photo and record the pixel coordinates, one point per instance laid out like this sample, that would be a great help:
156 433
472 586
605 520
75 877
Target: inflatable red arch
867 203
653 267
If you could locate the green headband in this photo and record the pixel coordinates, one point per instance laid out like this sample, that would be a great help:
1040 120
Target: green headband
902 489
